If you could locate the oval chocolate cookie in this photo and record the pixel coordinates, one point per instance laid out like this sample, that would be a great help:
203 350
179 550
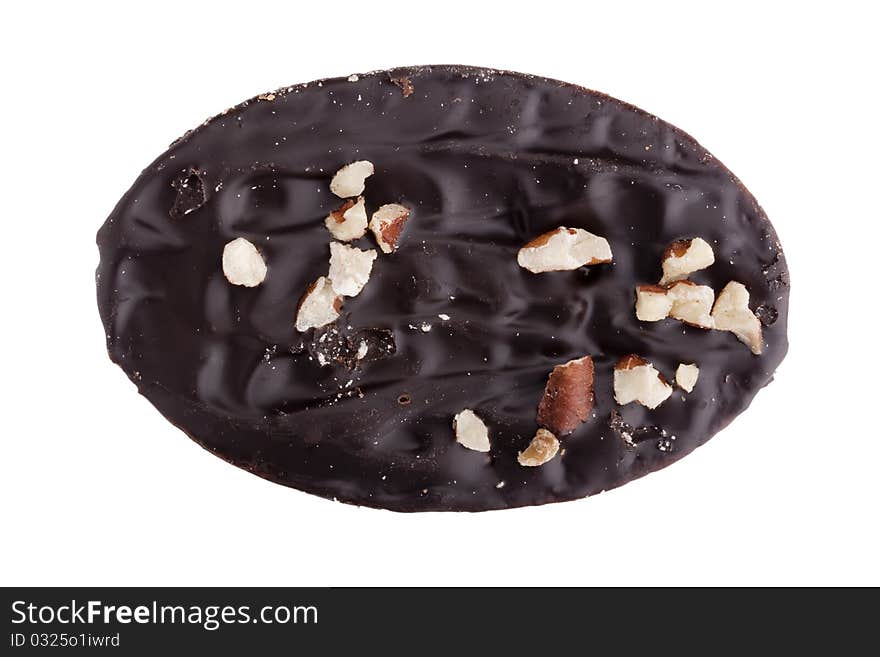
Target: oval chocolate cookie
443 289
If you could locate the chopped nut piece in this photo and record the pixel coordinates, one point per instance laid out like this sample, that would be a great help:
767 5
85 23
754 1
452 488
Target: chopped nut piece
350 268
348 222
470 431
243 264
686 376
349 180
568 396
387 225
731 313
563 249
636 380
683 300
685 257
652 303
319 306
543 447
692 303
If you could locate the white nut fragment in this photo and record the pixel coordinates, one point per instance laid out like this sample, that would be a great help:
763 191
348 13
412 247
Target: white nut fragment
348 222
683 300
652 303
685 257
349 180
686 376
731 313
543 447
243 264
563 249
692 303
387 224
636 380
350 268
471 431
319 306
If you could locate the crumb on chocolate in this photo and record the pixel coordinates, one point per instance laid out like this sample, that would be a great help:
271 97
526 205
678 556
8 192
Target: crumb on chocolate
405 84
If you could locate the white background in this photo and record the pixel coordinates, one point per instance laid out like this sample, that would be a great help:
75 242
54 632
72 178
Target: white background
97 488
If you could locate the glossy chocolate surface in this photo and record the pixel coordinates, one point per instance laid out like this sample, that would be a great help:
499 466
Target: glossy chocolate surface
486 161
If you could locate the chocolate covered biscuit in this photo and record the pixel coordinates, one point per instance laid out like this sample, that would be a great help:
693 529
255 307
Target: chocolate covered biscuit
443 288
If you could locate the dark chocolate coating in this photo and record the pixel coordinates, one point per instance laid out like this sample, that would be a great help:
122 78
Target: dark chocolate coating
487 161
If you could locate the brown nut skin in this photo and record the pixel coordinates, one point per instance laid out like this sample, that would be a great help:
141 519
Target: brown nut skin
543 238
338 213
634 360
629 362
677 249
391 232
568 397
